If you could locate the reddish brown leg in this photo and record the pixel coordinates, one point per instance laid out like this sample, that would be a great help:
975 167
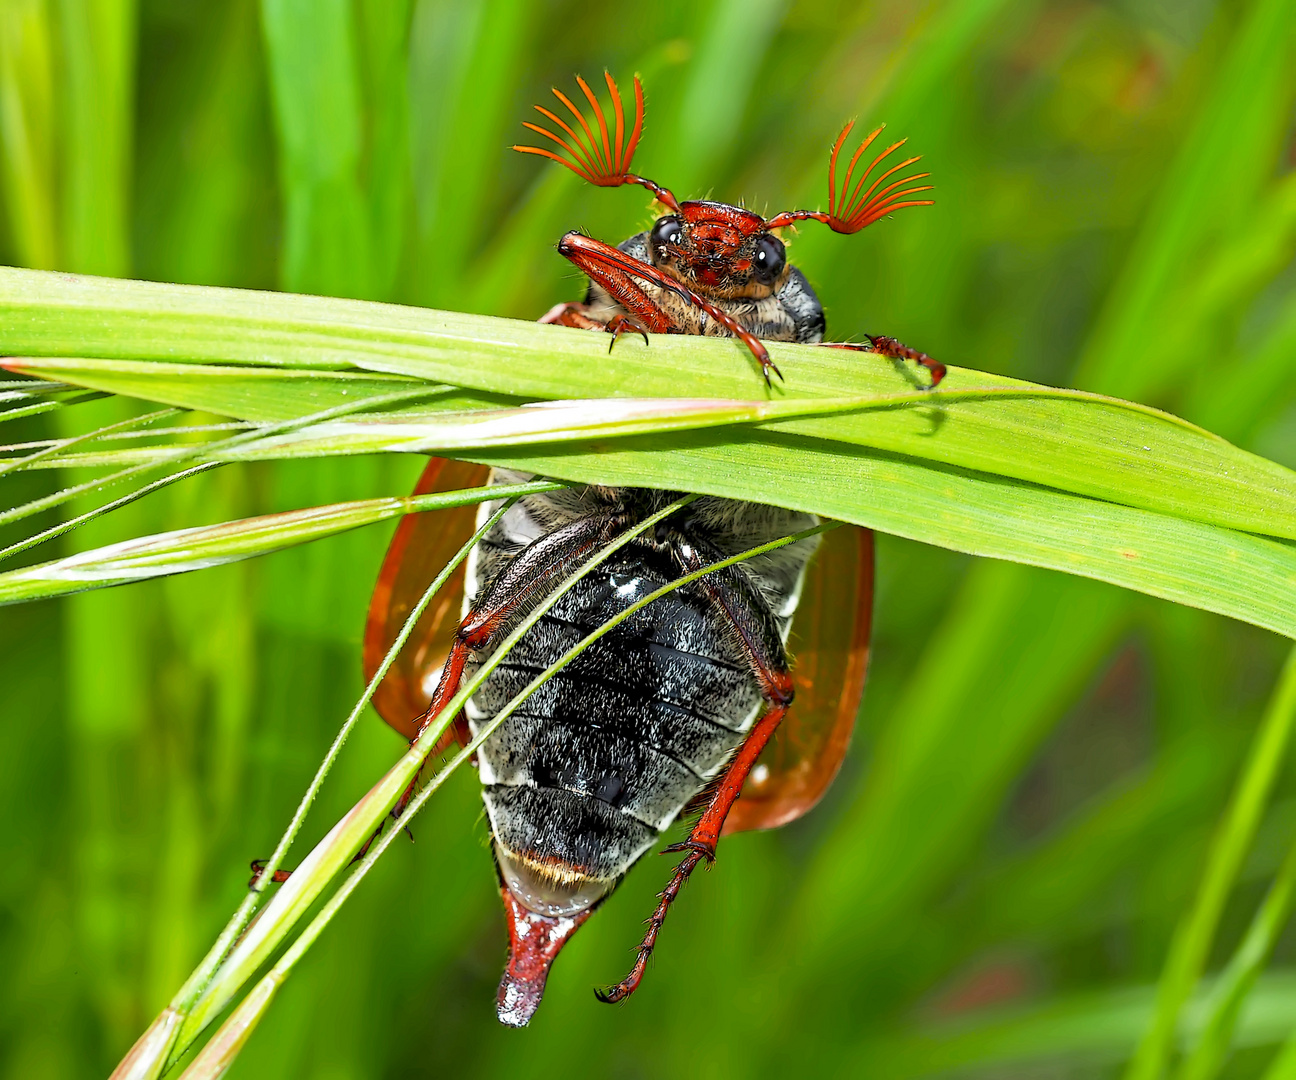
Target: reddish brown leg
733 594
701 844
617 272
576 315
896 350
625 324
510 597
614 271
520 587
525 582
258 868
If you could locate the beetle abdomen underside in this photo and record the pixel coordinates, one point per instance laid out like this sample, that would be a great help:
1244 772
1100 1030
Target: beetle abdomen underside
604 756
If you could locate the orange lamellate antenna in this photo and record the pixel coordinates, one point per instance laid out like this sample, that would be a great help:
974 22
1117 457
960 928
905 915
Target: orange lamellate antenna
854 209
593 158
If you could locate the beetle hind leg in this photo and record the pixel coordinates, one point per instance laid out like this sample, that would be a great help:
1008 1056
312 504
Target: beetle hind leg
700 847
747 612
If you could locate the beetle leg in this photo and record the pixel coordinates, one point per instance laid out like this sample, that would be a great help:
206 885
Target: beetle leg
523 584
618 273
531 575
615 272
576 315
746 611
700 845
625 324
896 350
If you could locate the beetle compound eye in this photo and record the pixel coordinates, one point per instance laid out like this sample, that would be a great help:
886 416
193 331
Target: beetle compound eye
668 230
769 260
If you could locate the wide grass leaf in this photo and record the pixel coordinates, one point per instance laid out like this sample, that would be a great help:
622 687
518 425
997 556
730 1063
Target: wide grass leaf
986 465
1099 447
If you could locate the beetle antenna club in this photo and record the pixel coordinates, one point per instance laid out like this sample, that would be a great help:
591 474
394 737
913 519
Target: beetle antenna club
593 158
855 209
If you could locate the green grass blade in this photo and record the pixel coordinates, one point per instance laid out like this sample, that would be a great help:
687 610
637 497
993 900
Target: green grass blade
264 395
31 410
76 522
27 63
1191 945
202 548
1235 574
733 45
1071 1031
1239 978
383 48
1110 451
1220 570
1249 107
446 425
314 78
98 63
466 61
147 1057
60 446
334 852
172 457
416 612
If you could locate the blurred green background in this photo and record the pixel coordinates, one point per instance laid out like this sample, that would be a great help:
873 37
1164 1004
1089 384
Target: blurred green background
994 880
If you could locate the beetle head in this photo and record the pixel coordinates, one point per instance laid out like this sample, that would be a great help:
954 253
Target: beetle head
719 249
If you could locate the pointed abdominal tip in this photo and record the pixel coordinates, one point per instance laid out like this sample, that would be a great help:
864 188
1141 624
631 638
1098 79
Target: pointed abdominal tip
534 943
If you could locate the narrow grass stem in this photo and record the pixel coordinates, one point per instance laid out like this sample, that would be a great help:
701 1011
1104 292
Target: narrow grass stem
331 855
220 1052
183 551
153 433
34 386
43 407
63 527
175 457
1192 941
122 436
290 834
1236 982
147 1057
460 432
59 445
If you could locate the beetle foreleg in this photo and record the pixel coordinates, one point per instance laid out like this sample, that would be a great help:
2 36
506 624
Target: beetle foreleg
578 315
618 274
896 350
607 267
572 314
